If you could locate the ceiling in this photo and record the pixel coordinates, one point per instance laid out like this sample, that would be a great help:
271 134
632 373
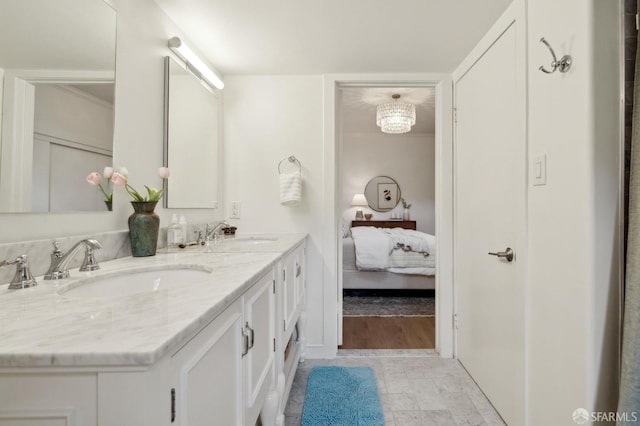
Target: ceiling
334 36
359 107
101 91
43 34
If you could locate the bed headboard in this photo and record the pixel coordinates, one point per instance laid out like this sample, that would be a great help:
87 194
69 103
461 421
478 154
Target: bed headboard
406 224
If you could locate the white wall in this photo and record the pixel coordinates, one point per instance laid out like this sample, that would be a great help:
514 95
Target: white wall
143 31
268 118
408 158
573 220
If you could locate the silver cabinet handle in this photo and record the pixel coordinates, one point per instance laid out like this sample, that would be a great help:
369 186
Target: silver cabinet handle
507 254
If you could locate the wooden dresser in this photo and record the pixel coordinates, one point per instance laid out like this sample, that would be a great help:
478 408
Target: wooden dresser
406 224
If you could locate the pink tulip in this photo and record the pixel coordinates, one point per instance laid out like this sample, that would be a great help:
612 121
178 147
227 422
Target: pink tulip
118 179
163 172
108 172
94 178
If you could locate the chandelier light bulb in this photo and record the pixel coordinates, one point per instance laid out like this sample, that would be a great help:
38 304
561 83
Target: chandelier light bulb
396 116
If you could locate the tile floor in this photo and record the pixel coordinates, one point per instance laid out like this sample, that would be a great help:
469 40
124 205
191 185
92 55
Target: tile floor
415 390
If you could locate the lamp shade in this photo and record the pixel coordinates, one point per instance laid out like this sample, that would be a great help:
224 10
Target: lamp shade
359 200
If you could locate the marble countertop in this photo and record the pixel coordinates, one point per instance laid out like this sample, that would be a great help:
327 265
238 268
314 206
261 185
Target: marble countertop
44 327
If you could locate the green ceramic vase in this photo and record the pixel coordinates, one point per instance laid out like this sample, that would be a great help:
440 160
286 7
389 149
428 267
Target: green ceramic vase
143 228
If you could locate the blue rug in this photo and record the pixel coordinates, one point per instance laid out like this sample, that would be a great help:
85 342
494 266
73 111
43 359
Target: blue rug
342 396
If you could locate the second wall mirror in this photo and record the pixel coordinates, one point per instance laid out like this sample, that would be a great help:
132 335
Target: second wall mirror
382 193
191 139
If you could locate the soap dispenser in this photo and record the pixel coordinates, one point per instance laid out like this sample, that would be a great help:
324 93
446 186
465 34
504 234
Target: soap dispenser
174 233
183 228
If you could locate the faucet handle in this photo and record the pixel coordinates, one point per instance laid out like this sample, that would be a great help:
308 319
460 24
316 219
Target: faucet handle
199 236
23 277
89 263
56 249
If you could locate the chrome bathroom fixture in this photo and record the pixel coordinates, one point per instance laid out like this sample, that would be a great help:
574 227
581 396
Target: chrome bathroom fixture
564 64
23 277
194 63
60 261
211 231
293 160
507 254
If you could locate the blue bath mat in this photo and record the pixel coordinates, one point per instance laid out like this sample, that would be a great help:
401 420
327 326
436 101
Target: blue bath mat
342 396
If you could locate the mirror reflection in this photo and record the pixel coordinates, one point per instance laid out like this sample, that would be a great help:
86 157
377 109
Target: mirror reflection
191 139
382 193
58 76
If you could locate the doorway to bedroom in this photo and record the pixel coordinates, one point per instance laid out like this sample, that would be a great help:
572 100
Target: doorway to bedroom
387 199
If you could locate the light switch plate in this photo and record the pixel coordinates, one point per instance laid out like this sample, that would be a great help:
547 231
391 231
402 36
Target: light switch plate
539 170
235 210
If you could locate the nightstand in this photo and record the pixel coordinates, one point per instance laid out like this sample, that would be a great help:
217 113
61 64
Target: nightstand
406 224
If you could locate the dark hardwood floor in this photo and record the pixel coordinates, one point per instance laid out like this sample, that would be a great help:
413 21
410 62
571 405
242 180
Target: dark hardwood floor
388 333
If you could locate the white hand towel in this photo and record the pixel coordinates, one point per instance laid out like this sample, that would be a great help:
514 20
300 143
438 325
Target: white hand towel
290 189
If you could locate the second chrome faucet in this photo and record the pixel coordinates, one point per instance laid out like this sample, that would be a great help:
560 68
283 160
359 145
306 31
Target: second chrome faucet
59 268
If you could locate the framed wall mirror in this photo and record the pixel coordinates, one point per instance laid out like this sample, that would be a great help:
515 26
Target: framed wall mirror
57 68
382 193
190 139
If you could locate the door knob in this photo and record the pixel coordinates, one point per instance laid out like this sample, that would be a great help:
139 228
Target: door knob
507 254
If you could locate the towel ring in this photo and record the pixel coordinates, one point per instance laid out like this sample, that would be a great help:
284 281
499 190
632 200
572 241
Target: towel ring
293 160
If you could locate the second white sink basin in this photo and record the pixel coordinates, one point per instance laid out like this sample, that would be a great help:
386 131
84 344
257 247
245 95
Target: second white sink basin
249 240
128 282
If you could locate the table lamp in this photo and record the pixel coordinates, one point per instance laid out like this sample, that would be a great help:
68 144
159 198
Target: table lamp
359 200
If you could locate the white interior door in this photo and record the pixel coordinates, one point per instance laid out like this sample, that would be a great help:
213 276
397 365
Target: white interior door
490 194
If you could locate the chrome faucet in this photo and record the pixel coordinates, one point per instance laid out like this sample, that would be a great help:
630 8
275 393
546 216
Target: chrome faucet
59 268
23 277
211 231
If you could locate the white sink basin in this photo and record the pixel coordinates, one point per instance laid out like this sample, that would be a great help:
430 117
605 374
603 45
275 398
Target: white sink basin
249 240
135 281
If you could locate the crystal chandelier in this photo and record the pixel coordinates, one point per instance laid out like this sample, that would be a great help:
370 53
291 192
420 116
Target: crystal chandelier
396 116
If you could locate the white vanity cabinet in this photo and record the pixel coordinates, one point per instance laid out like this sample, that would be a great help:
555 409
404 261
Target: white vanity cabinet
259 317
229 369
206 374
48 399
222 376
292 290
290 321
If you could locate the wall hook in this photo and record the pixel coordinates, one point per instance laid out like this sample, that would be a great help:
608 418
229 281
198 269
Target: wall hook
564 64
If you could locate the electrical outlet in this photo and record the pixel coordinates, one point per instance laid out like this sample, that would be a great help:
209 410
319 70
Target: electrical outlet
235 210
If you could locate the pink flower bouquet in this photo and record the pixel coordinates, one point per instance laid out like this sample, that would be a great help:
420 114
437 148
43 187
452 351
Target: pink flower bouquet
121 177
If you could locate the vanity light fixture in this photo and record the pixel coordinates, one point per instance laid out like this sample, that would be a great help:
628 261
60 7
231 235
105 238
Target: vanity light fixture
396 116
194 63
359 200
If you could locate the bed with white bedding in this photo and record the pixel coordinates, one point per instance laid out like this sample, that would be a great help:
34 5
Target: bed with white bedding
377 258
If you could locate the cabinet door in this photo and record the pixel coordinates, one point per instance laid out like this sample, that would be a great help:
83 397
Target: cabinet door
209 373
259 313
299 276
289 291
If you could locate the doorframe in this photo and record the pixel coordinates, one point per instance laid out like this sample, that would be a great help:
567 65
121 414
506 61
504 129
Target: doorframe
332 279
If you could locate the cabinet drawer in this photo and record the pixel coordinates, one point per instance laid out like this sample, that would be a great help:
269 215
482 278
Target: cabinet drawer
64 399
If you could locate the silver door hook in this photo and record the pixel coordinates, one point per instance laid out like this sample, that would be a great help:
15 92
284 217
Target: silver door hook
564 64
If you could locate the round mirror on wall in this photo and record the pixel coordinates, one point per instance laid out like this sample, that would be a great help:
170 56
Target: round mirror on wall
382 193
